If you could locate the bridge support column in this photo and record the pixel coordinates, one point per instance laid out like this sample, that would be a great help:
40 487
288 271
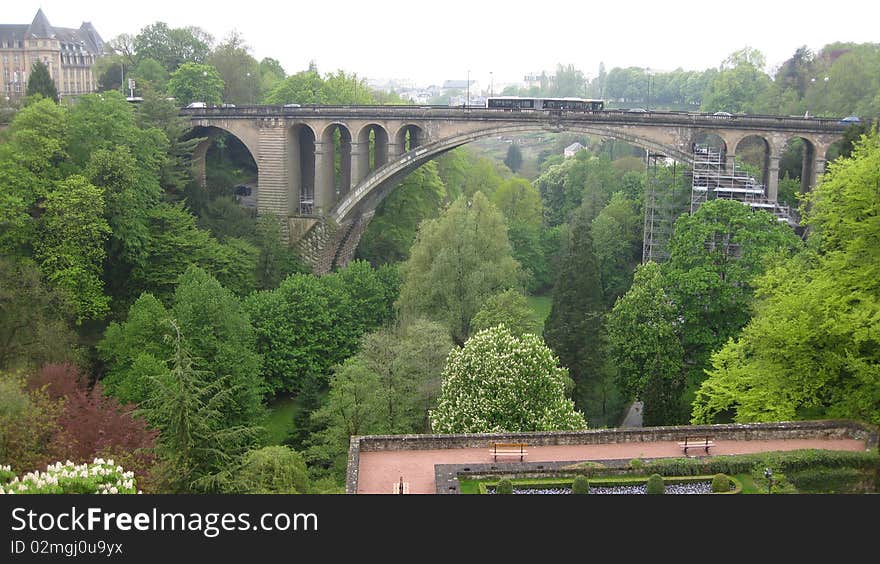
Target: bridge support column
325 194
771 178
394 151
817 172
360 162
277 191
730 163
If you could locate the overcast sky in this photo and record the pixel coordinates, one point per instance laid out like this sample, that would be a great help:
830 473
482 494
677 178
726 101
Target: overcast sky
496 41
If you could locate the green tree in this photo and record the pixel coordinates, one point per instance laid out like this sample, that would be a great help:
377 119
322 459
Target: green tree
194 82
509 308
70 247
221 339
500 383
739 85
195 445
617 242
390 235
40 82
715 255
644 346
303 327
388 387
271 470
457 262
33 318
514 159
810 351
574 325
519 201
239 71
172 47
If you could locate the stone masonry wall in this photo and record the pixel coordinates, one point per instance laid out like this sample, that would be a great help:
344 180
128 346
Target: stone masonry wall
739 431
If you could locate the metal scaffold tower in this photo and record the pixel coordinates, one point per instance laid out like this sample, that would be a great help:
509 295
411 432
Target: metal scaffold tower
712 180
662 207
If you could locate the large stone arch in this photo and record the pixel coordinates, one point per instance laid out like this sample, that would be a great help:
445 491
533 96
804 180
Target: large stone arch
367 195
336 146
304 154
210 132
370 152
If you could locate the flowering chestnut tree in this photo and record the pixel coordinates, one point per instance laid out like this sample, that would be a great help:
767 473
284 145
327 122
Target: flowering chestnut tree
502 383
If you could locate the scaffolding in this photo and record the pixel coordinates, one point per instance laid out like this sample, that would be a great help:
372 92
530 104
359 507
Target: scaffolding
662 207
712 179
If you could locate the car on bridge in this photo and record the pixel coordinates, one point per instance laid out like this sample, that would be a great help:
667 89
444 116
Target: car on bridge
723 114
848 120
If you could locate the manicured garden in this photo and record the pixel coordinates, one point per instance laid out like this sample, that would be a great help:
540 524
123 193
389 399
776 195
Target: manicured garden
801 471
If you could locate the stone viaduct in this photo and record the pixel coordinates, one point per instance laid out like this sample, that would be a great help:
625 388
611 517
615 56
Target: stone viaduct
325 169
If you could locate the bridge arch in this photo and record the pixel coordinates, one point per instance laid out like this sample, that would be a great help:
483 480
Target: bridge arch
211 133
367 195
302 154
756 150
336 144
408 137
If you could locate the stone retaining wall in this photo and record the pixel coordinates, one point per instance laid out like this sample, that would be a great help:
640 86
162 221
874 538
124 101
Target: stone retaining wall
734 431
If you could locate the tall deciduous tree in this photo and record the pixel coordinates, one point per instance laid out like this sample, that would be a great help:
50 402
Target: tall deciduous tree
511 309
811 351
715 255
457 262
70 247
194 82
387 387
644 345
500 383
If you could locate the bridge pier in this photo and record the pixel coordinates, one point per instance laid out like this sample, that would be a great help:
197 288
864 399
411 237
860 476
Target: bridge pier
325 192
771 178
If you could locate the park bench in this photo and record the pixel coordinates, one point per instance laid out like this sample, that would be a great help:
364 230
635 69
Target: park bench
508 449
697 442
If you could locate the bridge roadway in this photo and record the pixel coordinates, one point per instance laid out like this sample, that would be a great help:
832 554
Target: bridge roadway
333 165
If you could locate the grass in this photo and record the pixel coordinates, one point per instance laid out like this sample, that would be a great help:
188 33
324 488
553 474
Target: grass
280 422
540 306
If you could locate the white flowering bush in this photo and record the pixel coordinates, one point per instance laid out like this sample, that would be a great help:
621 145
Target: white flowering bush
99 477
501 383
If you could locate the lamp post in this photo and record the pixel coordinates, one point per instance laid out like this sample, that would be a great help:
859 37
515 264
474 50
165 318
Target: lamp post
491 84
769 475
467 101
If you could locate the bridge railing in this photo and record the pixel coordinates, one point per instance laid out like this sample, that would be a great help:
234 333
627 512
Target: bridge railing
611 116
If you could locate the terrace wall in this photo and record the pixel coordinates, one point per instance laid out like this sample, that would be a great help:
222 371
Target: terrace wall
822 429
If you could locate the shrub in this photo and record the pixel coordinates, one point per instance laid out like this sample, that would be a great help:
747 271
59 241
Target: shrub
655 484
636 463
504 486
99 477
720 483
580 485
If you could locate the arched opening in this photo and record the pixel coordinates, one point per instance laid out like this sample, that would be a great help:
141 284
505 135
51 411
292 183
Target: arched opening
337 141
795 170
226 173
710 140
409 137
753 158
375 138
303 168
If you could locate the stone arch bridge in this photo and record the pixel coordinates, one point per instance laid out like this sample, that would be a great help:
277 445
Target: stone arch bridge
325 169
